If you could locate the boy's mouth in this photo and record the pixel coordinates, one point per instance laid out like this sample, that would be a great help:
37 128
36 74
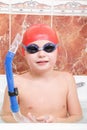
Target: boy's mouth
41 62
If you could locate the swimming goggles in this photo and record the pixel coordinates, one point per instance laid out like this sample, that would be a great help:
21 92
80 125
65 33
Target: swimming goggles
33 48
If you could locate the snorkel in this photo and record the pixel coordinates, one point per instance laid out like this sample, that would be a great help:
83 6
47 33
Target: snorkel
12 91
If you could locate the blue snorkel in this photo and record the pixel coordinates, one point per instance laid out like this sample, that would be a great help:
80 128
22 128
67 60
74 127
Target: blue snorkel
12 91
10 81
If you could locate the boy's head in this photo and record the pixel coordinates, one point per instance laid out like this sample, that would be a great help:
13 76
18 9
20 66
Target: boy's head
39 32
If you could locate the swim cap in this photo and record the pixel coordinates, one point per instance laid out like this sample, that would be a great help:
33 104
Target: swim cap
39 32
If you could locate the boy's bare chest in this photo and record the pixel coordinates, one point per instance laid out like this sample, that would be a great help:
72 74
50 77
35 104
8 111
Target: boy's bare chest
46 99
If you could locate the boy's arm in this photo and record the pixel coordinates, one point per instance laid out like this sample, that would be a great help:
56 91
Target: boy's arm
6 114
73 104
70 119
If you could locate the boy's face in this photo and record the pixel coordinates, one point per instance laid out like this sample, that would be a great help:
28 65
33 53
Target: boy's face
41 60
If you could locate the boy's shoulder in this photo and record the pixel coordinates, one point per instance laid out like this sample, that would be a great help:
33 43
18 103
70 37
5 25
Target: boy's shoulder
64 73
19 78
67 76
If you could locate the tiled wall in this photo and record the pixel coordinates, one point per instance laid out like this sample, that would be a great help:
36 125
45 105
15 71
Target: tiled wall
72 33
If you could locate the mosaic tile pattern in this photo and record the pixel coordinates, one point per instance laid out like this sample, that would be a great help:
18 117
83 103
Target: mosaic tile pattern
71 30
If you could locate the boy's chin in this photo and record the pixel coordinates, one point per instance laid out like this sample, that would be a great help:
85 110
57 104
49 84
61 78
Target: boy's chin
43 69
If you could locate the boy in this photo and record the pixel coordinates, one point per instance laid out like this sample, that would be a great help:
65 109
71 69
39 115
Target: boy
45 95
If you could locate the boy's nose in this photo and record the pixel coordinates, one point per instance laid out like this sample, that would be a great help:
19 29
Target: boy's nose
41 53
